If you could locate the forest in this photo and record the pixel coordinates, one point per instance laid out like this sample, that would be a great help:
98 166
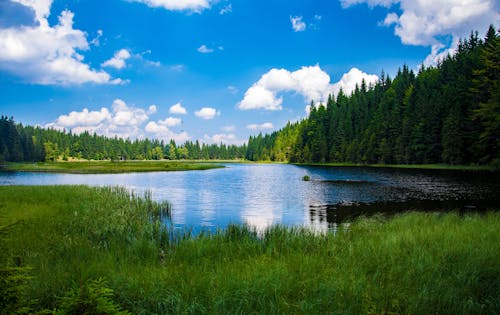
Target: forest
26 143
448 113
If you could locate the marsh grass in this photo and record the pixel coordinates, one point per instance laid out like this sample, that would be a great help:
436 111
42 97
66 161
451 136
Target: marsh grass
73 236
104 167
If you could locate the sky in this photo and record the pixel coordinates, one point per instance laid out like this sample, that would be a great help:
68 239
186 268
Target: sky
210 70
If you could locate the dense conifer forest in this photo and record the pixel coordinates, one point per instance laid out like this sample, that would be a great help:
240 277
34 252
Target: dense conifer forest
448 113
25 143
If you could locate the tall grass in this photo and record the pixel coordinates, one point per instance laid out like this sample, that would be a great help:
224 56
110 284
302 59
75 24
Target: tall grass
73 236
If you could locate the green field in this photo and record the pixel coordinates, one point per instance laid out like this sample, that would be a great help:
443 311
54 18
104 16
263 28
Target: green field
101 167
83 250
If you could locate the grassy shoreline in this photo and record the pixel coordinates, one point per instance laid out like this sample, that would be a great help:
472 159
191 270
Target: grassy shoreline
69 248
108 167
409 166
113 167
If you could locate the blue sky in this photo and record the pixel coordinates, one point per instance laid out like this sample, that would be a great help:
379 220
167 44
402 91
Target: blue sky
209 70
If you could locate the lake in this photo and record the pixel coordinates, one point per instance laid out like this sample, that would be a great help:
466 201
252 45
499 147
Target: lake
265 194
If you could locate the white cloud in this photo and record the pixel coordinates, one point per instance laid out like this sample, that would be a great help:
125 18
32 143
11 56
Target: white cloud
84 118
226 138
41 7
177 109
349 80
152 109
227 9
390 19
118 60
432 23
297 24
263 126
207 113
162 131
122 121
124 115
178 5
259 97
170 122
311 82
45 54
205 50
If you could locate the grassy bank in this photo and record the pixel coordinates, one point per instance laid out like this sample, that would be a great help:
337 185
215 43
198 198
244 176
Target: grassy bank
67 245
410 166
99 167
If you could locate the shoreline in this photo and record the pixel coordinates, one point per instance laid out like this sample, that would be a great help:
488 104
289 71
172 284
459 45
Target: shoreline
108 167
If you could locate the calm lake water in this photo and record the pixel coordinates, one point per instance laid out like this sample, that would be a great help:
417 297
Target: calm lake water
265 194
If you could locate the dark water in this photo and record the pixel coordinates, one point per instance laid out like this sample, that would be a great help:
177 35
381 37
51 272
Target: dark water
265 194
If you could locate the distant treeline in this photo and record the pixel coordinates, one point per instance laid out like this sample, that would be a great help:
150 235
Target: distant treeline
449 114
25 143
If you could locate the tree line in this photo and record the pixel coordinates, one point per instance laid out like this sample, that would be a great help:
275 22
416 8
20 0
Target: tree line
448 113
26 143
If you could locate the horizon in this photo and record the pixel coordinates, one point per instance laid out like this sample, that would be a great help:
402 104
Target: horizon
213 71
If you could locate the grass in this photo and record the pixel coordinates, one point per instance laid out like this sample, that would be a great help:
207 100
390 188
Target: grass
105 246
411 166
100 167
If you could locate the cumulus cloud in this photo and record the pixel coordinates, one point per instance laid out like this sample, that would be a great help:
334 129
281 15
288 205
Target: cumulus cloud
84 118
170 122
311 82
431 23
207 113
45 54
226 138
262 126
178 5
177 109
298 25
118 60
161 130
122 121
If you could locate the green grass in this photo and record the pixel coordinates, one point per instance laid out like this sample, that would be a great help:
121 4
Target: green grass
410 166
99 167
105 246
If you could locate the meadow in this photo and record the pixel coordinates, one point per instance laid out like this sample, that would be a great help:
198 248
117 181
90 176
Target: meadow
84 250
105 167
